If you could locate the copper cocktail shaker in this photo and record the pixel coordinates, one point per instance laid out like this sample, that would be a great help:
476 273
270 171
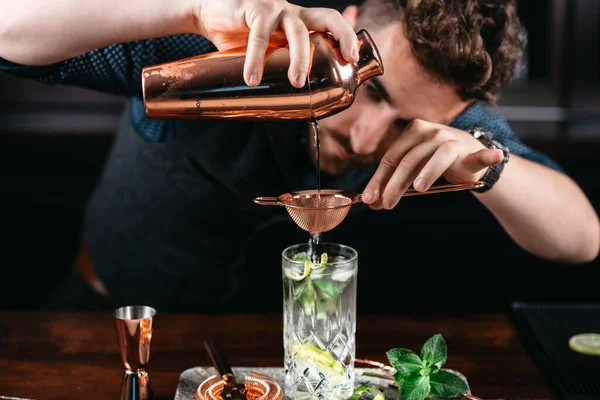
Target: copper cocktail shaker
211 86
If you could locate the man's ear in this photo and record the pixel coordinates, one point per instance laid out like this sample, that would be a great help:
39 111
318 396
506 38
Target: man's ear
350 14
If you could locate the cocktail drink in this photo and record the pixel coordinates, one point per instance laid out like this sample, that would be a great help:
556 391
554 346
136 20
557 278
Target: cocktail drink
319 301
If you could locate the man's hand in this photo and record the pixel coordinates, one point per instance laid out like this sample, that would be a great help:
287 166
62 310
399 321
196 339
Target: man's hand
235 23
422 153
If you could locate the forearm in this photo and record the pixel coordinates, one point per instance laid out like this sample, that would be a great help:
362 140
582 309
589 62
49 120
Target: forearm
40 32
545 212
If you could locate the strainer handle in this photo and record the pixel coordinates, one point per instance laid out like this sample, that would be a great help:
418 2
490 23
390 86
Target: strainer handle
219 362
267 201
452 187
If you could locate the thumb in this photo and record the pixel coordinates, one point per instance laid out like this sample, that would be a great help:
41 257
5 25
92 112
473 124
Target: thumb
481 159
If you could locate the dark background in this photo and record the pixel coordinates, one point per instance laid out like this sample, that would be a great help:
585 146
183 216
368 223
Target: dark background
53 142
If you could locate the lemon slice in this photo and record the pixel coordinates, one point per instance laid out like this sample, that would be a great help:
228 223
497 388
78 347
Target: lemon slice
323 357
290 274
586 343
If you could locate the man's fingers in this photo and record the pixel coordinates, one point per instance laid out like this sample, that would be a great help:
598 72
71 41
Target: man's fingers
441 160
299 42
376 185
258 41
482 159
296 23
411 137
407 170
377 205
330 20
396 170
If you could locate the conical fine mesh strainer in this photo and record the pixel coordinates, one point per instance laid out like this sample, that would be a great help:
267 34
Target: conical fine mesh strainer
258 387
224 386
321 211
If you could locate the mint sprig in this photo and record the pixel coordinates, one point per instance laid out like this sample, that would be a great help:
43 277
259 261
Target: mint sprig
419 376
315 292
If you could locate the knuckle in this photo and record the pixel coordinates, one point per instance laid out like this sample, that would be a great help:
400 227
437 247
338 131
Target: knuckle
309 14
332 13
326 12
259 38
416 124
408 163
270 5
263 11
328 15
303 13
451 147
389 161
439 134
297 27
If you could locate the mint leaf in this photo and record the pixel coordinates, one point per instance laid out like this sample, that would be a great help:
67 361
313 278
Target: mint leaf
327 293
415 387
405 362
433 352
446 384
399 379
300 256
328 288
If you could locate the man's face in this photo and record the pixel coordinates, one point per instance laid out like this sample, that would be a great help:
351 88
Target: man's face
361 134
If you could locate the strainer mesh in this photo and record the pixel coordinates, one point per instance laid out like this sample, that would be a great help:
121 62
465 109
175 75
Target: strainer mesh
258 387
317 212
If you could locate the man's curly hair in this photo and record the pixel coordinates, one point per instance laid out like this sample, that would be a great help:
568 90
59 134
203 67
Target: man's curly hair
473 44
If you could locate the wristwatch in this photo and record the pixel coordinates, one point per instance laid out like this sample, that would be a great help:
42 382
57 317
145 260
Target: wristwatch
494 172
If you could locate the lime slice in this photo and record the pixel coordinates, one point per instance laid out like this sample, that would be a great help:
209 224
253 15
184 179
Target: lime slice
290 274
368 393
586 343
323 357
323 262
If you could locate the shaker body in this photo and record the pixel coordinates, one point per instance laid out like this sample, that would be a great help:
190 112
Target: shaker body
211 86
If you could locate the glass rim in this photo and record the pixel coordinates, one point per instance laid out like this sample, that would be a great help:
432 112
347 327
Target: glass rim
341 246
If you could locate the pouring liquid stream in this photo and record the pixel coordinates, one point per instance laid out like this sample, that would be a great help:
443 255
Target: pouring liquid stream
315 238
314 254
315 127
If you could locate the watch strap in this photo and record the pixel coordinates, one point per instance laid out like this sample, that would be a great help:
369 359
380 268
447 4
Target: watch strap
491 177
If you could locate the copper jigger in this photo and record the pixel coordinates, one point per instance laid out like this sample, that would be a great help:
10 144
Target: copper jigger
212 86
224 386
134 333
318 211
